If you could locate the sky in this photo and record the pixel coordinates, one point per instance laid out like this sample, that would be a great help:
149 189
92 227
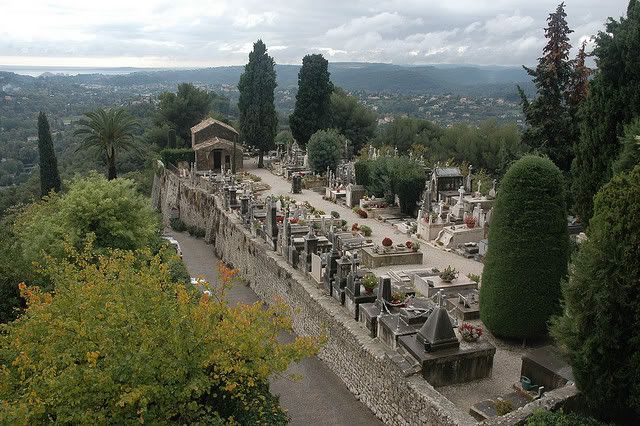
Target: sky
200 33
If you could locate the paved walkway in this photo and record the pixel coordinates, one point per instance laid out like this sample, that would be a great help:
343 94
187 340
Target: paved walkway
433 257
320 398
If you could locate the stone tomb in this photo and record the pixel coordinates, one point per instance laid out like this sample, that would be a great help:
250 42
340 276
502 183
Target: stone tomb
545 367
444 360
354 194
372 258
344 267
407 321
466 305
355 295
431 285
369 312
316 269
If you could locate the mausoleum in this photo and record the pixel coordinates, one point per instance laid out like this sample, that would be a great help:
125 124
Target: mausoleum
216 145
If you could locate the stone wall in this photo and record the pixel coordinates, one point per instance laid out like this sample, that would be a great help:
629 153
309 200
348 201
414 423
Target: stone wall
362 363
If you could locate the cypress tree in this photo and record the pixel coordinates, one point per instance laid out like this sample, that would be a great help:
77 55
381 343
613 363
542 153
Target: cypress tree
258 117
171 138
313 100
528 251
551 129
613 102
49 176
601 321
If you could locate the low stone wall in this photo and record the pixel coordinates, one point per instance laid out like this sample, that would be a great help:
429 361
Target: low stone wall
362 363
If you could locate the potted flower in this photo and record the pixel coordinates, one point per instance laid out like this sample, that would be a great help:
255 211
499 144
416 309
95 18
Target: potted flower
409 244
387 242
469 332
449 274
354 229
397 299
470 221
369 282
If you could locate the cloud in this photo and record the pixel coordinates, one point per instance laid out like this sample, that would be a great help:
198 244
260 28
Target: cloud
505 25
220 32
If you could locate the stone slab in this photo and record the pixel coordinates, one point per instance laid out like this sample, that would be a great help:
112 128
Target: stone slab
369 259
545 367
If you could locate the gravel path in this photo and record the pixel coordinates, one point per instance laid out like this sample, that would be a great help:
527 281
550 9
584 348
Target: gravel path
320 398
433 257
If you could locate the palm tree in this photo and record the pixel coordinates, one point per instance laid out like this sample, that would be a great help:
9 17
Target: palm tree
111 130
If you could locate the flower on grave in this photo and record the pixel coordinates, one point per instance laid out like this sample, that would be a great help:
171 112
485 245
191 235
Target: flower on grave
293 220
470 221
409 244
469 332
355 227
387 242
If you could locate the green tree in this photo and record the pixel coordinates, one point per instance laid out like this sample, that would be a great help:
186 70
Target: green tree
404 132
110 130
49 176
630 152
354 120
112 212
613 102
600 324
284 139
184 109
407 180
528 251
258 118
550 126
119 343
312 111
325 150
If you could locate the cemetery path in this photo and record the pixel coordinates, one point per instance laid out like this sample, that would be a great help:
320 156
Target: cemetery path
433 257
320 398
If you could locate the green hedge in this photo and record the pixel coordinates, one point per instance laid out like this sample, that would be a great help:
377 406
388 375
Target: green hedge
559 418
362 169
601 323
528 251
175 155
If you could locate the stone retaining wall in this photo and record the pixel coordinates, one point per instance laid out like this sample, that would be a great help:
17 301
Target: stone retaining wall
362 363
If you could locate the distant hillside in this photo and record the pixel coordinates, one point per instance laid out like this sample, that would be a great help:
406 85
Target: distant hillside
370 77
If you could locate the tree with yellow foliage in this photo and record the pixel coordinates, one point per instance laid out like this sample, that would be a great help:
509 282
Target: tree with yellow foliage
120 343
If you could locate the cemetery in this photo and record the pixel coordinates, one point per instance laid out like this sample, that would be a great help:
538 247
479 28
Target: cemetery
421 320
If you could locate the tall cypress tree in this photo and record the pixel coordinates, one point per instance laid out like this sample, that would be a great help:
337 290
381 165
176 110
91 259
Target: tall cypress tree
258 117
613 102
551 129
49 176
313 101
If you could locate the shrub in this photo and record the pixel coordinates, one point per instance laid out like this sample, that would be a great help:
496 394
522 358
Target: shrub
335 214
528 253
177 224
503 406
600 324
175 155
119 343
559 418
369 282
474 277
366 230
387 242
111 212
449 274
408 183
325 150
362 213
362 169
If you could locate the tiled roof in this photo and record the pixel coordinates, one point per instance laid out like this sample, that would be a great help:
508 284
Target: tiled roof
208 122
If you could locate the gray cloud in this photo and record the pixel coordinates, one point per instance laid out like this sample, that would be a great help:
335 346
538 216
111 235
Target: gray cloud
201 33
